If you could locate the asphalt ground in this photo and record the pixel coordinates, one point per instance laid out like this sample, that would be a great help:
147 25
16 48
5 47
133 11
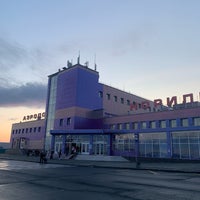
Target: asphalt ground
158 165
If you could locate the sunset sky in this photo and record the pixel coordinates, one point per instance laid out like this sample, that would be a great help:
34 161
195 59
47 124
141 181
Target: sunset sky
147 47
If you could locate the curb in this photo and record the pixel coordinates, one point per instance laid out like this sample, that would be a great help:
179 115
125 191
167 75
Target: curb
94 165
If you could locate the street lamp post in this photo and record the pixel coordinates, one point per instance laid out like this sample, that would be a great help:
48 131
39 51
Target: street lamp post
137 150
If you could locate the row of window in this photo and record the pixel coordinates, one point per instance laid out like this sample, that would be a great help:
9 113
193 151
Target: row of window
121 100
68 122
27 130
185 122
184 145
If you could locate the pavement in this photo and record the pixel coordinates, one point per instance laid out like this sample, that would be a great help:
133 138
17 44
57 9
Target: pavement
154 165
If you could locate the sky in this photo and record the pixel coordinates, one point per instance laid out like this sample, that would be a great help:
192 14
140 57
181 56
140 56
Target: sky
150 48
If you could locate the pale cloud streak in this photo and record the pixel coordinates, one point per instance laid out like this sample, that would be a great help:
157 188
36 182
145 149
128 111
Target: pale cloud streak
28 95
15 87
24 72
11 54
19 64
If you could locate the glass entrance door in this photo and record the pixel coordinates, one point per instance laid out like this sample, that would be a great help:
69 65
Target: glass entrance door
99 149
58 147
84 148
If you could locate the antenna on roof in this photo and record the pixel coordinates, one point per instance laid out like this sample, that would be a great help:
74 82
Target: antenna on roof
78 59
95 65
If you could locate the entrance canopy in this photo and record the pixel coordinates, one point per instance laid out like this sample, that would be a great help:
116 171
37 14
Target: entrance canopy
77 131
86 131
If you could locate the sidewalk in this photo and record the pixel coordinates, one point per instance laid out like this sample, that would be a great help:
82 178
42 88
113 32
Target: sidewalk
185 167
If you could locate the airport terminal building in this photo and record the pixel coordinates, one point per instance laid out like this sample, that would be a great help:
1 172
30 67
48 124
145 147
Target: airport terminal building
97 119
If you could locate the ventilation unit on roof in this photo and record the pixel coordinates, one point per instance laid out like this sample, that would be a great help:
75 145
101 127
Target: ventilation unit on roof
69 64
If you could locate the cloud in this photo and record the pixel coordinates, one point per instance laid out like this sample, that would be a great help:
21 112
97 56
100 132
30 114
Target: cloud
133 40
126 43
11 54
13 119
24 72
28 95
20 64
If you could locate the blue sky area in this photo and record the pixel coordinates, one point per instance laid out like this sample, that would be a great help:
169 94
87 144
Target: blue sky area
147 47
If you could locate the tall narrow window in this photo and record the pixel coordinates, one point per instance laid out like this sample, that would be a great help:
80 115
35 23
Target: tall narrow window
135 125
61 122
108 96
119 126
112 126
68 120
100 94
127 126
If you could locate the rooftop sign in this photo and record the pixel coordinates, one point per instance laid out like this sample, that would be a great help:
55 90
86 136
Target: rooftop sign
37 116
187 98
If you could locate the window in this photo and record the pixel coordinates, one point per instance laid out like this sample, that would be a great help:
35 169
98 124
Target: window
186 144
34 130
196 121
23 130
112 126
172 123
61 122
68 120
153 144
39 129
119 126
184 122
13 132
162 124
30 130
122 100
124 142
128 102
19 131
26 130
100 94
135 125
115 98
108 96
127 126
143 125
152 124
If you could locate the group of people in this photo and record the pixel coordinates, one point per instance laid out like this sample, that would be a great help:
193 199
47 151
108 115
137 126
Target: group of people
44 154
